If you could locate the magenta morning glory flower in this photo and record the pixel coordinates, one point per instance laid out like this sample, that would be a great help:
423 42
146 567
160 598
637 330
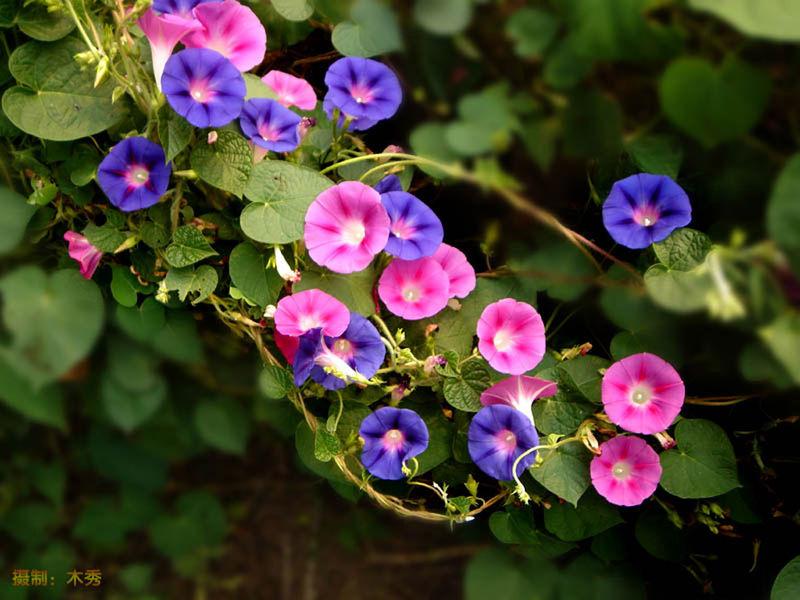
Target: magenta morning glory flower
627 471
519 391
363 89
644 208
415 230
287 344
414 289
304 311
511 336
291 90
642 393
135 174
359 348
390 183
345 227
497 436
270 125
82 250
391 437
203 87
164 32
179 8
232 30
459 271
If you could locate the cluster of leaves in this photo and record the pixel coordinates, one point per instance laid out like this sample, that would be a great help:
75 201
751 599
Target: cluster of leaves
596 89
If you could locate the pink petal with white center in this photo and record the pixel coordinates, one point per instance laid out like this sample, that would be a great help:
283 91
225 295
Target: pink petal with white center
458 269
291 90
298 313
511 336
232 30
414 289
82 250
164 32
520 392
627 471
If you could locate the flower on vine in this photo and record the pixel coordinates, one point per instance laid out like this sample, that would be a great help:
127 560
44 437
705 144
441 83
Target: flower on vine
355 124
414 289
269 125
232 30
356 354
511 336
391 437
164 32
415 230
459 271
390 183
520 392
364 89
345 227
645 208
304 311
179 8
82 250
291 90
135 174
627 471
287 344
497 436
642 393
203 87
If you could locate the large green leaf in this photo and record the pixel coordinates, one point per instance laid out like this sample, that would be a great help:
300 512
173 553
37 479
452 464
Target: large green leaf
495 573
683 250
39 23
188 247
783 211
54 320
711 104
131 387
462 389
174 131
16 214
771 19
225 164
250 275
294 10
281 193
564 471
532 31
222 424
44 405
371 30
787 584
678 291
355 289
702 465
782 336
201 281
591 516
443 17
55 99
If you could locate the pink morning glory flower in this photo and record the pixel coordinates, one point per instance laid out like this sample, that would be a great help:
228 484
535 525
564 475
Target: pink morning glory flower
414 289
232 30
82 250
303 311
627 471
291 90
346 226
511 336
642 393
459 271
519 392
164 32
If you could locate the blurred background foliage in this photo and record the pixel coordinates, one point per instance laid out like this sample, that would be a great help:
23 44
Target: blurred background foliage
145 440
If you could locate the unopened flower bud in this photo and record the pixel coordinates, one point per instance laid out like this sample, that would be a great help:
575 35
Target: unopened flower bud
432 362
399 392
213 136
666 440
284 270
454 304
305 125
269 312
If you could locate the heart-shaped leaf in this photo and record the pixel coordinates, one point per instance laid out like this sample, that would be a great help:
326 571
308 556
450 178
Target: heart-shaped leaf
703 464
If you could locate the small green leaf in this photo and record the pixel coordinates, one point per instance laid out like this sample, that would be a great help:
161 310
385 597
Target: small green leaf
41 405
428 141
463 391
105 238
124 286
564 471
774 20
281 193
294 10
250 275
326 445
174 132
39 23
683 250
372 30
787 584
783 211
782 337
532 30
443 17
16 215
202 281
142 323
225 164
657 154
702 465
188 247
678 291
582 374
222 424
275 382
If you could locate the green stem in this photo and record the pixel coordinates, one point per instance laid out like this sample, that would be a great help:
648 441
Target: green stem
529 451
385 166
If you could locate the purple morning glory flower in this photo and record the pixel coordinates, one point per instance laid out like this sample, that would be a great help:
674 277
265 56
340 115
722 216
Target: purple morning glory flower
390 183
203 87
358 353
415 230
643 209
356 124
135 174
270 125
391 437
362 88
181 8
497 436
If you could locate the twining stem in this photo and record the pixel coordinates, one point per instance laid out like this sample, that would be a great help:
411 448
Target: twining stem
720 400
529 451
